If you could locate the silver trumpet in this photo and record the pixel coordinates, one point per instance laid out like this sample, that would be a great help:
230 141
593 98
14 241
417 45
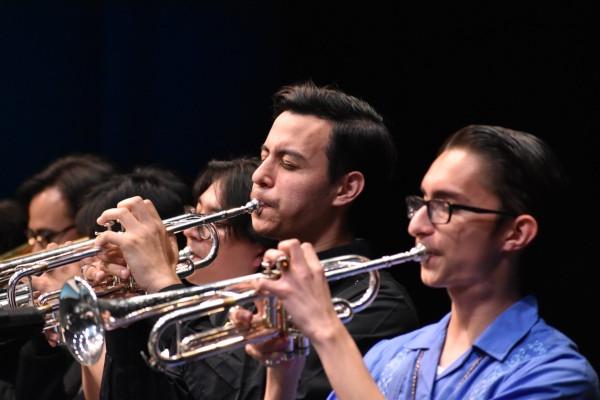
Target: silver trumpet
85 318
61 256
23 296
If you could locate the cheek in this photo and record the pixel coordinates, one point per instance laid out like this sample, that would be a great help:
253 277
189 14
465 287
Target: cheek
72 236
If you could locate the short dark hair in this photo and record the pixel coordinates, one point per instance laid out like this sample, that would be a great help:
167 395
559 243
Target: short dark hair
74 175
235 185
166 191
524 171
359 141
13 221
527 178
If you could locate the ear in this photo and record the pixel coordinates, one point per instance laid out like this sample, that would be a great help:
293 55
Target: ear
522 231
348 188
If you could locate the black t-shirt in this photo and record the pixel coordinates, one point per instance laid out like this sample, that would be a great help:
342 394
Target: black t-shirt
234 375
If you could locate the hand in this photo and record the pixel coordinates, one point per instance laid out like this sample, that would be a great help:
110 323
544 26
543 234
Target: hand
283 374
52 337
54 279
149 251
273 352
303 289
109 262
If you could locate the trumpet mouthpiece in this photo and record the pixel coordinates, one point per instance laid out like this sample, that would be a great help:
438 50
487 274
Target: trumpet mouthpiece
254 205
419 251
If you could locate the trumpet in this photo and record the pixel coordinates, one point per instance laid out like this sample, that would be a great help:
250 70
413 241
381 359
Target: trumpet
25 267
23 296
85 318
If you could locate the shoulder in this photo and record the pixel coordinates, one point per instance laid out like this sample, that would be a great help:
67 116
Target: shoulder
390 348
546 363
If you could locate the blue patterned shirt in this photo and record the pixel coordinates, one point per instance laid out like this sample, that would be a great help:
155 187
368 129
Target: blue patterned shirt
517 356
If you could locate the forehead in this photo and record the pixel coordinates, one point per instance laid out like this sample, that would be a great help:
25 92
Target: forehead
457 174
48 210
305 134
208 201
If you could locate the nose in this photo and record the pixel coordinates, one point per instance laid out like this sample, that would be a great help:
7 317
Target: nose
419 224
37 246
192 233
263 175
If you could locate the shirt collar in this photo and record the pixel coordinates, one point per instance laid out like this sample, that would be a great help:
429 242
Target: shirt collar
508 328
430 335
497 339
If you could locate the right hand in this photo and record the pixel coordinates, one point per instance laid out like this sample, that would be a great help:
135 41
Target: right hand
149 251
303 289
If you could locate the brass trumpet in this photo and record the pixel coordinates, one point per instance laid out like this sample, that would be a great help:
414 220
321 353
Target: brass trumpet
85 318
25 267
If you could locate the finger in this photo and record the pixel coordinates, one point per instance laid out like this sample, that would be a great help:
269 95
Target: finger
118 270
240 317
111 254
274 287
51 246
298 263
126 203
310 255
143 210
122 214
93 274
272 255
109 237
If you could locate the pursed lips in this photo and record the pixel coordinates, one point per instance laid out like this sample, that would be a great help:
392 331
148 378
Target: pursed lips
263 203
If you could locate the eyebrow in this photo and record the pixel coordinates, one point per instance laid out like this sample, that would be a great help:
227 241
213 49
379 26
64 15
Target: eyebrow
284 152
206 209
445 195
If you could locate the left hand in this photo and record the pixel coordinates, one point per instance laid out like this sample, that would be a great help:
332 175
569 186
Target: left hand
54 279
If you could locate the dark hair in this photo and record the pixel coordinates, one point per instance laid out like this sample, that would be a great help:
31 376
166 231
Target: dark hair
166 191
527 178
235 183
13 221
359 141
73 175
523 170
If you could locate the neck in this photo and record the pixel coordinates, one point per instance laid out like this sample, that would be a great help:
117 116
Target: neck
474 308
330 231
335 234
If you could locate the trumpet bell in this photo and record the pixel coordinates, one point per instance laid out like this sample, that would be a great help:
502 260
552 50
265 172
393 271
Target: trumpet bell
81 322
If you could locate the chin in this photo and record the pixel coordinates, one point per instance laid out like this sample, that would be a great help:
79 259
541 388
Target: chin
264 227
429 275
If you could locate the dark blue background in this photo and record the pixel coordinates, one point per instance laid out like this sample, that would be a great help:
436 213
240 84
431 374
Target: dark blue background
177 83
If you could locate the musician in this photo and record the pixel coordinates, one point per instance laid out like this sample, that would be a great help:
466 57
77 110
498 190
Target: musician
52 197
221 185
317 182
483 200
169 195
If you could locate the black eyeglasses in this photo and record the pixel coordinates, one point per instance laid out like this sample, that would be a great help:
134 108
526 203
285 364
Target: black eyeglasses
45 236
440 211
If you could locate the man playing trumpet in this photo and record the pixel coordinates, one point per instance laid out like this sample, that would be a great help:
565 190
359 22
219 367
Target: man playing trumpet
482 202
317 182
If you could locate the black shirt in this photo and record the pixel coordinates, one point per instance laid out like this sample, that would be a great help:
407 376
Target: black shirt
237 376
